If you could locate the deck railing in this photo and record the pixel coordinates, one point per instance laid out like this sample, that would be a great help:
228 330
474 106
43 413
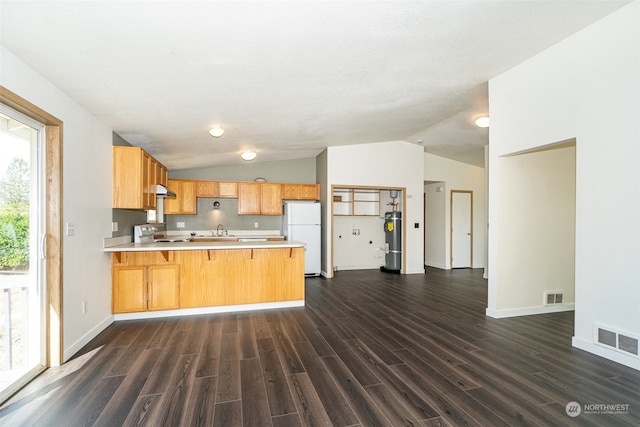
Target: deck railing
14 324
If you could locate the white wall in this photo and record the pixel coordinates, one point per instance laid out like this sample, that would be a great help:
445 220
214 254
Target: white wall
384 164
536 249
86 200
456 176
361 251
585 87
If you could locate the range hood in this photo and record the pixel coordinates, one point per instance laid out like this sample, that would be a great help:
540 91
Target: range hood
162 191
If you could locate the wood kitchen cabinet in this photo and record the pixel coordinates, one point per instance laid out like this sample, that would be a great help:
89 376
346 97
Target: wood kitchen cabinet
185 202
227 189
135 176
221 189
259 198
241 276
300 191
138 286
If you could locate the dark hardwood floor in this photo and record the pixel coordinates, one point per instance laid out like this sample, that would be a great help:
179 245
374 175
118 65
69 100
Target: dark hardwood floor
369 349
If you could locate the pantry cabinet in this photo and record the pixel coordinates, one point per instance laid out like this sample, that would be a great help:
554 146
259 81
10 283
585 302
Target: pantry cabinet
135 176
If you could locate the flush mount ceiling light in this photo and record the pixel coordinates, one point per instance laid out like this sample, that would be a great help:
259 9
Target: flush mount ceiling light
248 155
216 131
482 122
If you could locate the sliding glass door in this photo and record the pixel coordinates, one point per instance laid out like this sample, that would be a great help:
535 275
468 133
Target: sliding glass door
22 250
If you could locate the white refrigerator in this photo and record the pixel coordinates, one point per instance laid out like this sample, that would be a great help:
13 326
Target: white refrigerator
301 222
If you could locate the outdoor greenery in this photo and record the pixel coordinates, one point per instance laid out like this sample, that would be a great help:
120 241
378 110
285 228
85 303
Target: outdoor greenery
14 216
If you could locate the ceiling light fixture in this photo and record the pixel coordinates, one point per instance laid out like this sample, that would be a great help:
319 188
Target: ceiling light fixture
482 122
248 155
216 131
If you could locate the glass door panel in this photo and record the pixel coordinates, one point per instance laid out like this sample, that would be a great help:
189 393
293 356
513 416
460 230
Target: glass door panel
21 250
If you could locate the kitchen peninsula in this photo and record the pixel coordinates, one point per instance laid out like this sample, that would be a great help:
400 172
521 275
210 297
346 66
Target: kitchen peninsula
199 277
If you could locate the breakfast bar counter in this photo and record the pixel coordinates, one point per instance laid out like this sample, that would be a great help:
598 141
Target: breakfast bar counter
160 279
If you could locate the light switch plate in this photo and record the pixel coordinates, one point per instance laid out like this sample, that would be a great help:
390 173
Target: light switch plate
70 229
179 224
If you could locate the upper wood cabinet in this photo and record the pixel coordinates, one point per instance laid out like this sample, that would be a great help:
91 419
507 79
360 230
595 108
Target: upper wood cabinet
206 189
185 202
271 199
259 198
249 196
227 189
135 176
300 191
222 189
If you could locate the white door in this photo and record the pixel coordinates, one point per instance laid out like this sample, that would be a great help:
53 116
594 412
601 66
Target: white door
461 229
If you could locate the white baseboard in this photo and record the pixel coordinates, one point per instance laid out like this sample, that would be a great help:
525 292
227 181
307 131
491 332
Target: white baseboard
529 311
604 352
208 310
414 271
436 265
84 340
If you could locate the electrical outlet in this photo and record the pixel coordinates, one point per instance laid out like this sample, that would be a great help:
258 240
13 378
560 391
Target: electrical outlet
70 229
114 226
84 307
255 224
355 231
179 224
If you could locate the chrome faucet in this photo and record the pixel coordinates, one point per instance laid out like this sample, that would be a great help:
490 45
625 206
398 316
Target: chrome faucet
218 229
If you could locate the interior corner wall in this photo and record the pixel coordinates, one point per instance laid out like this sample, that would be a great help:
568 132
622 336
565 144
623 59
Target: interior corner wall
456 176
86 202
585 87
396 164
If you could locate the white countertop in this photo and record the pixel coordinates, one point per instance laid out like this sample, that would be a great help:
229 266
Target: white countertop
196 246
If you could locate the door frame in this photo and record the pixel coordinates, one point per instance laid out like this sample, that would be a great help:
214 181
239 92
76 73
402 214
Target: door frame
470 192
54 354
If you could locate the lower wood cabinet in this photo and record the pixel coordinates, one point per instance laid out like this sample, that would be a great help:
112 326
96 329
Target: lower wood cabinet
145 288
167 280
241 276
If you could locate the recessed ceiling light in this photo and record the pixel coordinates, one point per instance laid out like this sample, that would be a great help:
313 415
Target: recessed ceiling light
248 155
216 131
482 122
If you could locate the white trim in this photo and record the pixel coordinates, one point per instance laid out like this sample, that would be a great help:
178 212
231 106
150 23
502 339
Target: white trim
207 310
437 265
414 271
529 311
84 340
616 356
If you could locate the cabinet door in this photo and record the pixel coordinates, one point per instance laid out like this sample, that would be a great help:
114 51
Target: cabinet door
309 191
129 289
271 199
127 178
227 189
291 191
185 202
163 287
207 189
249 198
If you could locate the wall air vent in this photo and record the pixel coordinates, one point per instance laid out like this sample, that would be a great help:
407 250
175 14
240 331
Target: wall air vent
552 297
623 342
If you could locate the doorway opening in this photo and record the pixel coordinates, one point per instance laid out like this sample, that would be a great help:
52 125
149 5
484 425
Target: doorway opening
358 237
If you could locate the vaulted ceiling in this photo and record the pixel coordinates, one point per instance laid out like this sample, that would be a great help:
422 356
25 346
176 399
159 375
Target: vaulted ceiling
287 79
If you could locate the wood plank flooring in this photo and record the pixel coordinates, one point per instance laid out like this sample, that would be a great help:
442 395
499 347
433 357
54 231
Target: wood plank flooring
369 349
